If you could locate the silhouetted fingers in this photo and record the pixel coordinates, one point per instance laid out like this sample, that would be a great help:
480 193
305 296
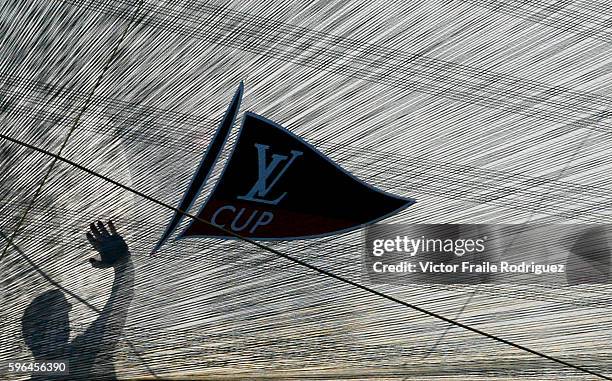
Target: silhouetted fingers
94 231
112 228
102 229
92 240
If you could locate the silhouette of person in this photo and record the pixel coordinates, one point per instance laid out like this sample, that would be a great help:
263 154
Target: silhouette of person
46 325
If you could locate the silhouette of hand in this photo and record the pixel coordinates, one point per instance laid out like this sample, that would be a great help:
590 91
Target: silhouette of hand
110 245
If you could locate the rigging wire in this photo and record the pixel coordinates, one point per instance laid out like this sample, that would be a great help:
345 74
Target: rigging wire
303 263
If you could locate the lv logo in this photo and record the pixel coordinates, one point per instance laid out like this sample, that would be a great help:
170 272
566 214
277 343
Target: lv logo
261 188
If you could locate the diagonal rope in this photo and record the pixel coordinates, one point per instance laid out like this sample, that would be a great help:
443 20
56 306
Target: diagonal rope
307 265
90 96
529 219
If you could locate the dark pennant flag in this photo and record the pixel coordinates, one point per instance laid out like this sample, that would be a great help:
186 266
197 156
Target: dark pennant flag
276 186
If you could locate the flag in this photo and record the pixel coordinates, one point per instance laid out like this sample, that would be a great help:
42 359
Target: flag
276 186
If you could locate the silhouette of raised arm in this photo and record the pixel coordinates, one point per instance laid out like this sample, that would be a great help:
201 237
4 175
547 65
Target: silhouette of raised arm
92 352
